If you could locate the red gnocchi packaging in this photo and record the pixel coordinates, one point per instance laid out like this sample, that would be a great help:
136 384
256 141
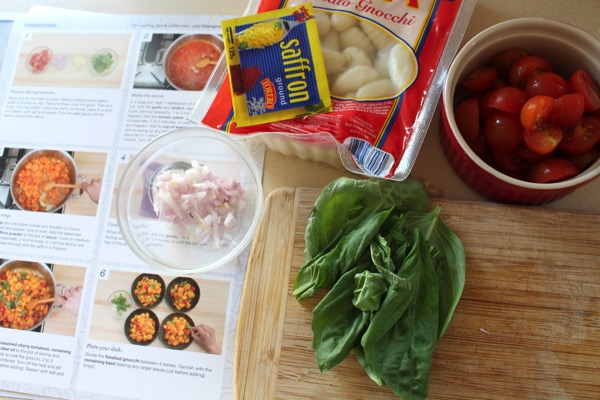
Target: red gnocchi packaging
385 62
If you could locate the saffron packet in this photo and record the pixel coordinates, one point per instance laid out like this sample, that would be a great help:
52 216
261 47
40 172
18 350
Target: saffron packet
275 66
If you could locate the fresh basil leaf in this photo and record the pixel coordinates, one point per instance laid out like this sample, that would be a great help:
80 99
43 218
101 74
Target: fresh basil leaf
381 254
323 270
337 325
398 344
451 269
369 290
347 199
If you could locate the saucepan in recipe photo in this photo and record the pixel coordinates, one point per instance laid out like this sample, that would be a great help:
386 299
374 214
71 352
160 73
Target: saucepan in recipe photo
40 297
51 181
171 61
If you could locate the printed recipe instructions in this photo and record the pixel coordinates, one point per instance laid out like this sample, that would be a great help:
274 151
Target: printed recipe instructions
78 97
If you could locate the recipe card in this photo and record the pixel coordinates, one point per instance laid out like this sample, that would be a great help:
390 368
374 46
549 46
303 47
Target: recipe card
79 96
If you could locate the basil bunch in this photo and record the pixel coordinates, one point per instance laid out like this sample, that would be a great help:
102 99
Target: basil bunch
395 274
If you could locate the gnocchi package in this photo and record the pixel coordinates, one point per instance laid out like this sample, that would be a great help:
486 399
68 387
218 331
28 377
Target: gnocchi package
385 61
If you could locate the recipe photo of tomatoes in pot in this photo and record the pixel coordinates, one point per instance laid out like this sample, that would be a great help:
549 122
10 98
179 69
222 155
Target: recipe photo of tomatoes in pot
190 65
32 186
18 289
525 119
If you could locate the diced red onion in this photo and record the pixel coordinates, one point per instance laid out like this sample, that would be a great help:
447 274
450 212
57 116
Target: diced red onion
199 204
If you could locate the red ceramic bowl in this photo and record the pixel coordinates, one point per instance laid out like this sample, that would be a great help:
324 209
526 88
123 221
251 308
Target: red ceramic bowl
567 48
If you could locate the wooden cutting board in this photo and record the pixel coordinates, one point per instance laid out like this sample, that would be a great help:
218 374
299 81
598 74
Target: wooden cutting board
527 325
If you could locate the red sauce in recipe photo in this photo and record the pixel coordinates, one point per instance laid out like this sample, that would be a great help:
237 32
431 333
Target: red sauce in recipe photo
190 65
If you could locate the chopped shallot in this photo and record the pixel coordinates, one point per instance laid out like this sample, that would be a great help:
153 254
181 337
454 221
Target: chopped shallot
201 205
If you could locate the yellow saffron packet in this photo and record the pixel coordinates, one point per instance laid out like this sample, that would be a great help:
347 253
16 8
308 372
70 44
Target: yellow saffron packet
275 66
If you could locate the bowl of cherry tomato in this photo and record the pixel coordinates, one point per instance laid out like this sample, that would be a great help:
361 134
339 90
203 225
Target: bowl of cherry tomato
39 59
521 111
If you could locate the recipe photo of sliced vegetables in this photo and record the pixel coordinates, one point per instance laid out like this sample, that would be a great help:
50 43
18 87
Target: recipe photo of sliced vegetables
101 62
394 272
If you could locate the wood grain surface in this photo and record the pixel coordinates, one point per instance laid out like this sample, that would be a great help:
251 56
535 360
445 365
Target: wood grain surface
61 321
91 166
527 325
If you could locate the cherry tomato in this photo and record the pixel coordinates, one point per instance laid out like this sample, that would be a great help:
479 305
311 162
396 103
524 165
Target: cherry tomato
480 147
583 83
537 112
527 115
547 84
583 160
553 170
484 110
466 114
528 156
568 109
503 131
504 59
509 99
480 80
581 137
544 141
510 164
499 83
525 68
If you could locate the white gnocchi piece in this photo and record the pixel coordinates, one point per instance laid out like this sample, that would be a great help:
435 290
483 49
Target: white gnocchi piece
353 78
378 36
381 64
402 67
377 89
331 41
354 36
323 23
340 22
355 56
335 62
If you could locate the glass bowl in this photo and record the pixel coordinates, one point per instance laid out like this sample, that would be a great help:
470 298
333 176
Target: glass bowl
104 61
163 244
122 305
